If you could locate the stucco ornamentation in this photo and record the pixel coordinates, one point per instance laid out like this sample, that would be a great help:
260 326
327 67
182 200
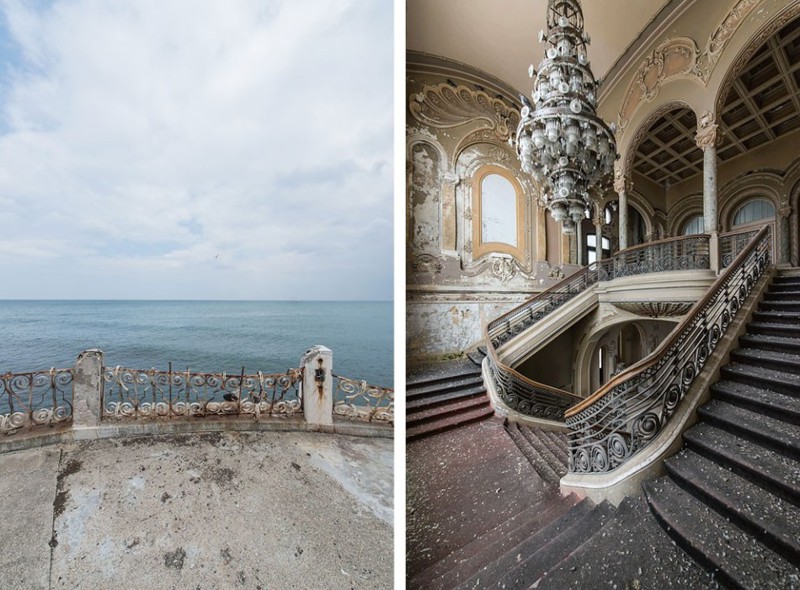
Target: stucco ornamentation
673 58
444 106
720 37
656 309
708 132
503 268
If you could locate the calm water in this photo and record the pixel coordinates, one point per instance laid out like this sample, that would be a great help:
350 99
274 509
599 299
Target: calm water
207 336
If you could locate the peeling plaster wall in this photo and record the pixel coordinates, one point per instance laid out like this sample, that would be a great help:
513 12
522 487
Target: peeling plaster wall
458 125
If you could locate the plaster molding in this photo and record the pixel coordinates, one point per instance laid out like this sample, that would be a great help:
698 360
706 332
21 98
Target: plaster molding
708 132
443 106
426 263
720 37
656 309
672 59
754 44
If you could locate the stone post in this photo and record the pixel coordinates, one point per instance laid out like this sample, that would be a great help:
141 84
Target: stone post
317 365
622 186
707 138
784 248
87 390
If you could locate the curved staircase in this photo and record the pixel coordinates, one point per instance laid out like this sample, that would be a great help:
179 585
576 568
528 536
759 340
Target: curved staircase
726 514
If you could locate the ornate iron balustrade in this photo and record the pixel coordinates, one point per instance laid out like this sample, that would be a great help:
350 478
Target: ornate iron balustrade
682 253
731 243
631 410
543 401
132 393
361 401
40 398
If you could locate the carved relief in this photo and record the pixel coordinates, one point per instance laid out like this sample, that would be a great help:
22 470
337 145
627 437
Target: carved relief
425 263
656 309
674 57
708 132
503 269
720 37
443 106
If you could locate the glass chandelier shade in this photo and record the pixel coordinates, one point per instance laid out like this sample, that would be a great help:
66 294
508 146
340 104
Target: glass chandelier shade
561 141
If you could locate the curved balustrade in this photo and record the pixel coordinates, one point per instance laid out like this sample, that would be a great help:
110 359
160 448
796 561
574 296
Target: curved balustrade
543 401
631 410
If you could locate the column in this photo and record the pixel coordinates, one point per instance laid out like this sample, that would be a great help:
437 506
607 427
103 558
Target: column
622 185
580 243
784 247
317 365
707 138
598 235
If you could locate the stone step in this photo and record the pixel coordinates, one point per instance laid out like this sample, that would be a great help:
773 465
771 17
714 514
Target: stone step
773 380
429 401
531 567
782 294
778 435
736 558
463 563
786 279
774 329
776 343
441 374
453 384
557 445
630 551
488 575
777 317
441 411
787 362
777 405
539 463
773 471
534 439
448 423
768 518
780 305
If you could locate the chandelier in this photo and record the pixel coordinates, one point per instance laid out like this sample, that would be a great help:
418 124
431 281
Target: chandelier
561 141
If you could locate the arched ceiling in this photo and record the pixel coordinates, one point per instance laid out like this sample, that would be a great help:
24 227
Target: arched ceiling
501 36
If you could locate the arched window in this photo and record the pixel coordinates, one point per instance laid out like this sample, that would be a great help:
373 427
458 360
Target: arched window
752 211
498 216
498 210
694 226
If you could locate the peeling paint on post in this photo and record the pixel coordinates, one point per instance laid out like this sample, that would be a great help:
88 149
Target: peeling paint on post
317 365
87 390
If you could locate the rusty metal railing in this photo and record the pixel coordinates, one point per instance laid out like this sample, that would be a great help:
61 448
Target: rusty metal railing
38 398
151 393
358 400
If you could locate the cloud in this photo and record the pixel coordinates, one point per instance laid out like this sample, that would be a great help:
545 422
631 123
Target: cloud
181 138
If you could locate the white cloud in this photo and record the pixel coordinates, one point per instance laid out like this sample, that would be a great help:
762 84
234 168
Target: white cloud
239 137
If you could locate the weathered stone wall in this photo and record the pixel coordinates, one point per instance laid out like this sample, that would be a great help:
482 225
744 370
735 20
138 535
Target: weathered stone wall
459 122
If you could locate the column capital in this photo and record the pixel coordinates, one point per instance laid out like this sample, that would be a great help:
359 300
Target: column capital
708 132
622 181
784 210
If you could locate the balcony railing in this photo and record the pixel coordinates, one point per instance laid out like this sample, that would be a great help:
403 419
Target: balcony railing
625 415
40 398
543 401
358 400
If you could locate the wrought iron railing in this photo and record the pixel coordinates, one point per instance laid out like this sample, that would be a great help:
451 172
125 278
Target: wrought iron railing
731 243
627 413
543 401
360 401
133 393
40 398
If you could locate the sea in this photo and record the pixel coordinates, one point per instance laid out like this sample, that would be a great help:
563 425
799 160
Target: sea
205 336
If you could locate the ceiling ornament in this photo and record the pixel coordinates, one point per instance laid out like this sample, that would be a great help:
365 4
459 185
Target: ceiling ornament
445 106
671 59
720 37
560 140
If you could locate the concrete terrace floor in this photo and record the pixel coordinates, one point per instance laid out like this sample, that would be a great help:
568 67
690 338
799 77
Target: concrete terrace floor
212 511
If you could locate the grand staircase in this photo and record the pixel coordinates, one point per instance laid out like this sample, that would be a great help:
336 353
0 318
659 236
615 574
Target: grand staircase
725 515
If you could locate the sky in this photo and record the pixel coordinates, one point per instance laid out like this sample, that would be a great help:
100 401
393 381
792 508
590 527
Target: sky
196 149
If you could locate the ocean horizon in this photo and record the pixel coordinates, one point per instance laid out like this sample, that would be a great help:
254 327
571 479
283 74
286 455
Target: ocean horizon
203 335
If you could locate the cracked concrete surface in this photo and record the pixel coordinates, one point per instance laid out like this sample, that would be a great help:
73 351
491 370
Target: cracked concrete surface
219 510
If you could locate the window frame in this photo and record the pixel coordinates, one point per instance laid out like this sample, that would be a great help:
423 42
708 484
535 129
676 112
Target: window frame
479 247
